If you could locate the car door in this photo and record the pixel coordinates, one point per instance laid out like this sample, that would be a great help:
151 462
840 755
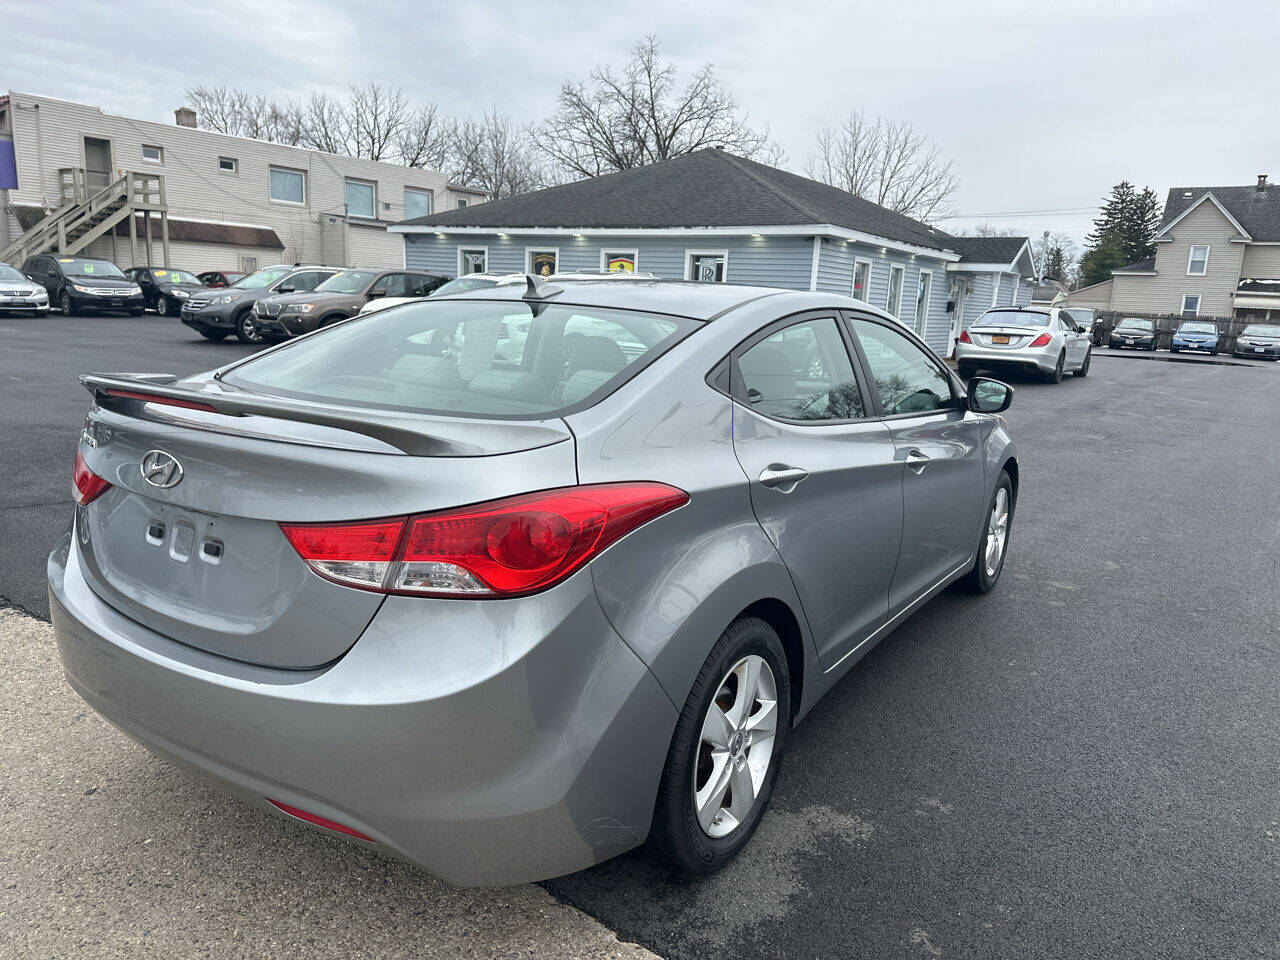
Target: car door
825 482
1077 343
940 444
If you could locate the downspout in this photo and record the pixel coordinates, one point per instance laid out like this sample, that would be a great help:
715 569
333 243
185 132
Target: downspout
813 268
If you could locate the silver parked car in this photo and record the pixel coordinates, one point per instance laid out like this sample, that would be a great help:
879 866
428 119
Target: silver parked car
1043 340
507 613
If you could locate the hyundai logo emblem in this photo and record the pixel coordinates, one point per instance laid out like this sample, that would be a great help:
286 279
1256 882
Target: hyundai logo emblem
161 469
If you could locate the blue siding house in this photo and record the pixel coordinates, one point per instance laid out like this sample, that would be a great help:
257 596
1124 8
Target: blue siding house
715 217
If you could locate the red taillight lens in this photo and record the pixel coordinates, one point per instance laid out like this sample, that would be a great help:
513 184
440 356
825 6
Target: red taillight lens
964 337
1041 341
504 548
357 554
86 486
157 398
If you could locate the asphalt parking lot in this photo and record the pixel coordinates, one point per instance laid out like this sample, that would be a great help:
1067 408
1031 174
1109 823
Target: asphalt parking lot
1081 764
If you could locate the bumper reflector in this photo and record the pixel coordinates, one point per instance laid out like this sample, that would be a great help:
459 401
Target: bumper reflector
318 821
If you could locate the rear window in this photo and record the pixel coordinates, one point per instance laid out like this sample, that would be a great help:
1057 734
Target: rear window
1015 318
467 357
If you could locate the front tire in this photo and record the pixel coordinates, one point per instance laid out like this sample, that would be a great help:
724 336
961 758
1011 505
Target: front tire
246 331
1084 367
214 335
162 306
726 751
65 305
993 544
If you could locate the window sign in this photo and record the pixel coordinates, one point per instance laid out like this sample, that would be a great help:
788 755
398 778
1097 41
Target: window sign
542 262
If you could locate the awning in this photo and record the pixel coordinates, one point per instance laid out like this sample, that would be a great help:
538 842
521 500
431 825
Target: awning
200 231
1258 301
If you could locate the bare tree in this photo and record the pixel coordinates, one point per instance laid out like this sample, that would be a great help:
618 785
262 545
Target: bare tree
885 161
617 122
327 125
497 156
378 117
426 139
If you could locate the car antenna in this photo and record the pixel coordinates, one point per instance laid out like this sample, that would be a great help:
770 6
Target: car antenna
538 289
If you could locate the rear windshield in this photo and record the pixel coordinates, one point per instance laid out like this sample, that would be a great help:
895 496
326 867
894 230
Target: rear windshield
263 278
90 268
1015 318
1134 324
467 357
348 281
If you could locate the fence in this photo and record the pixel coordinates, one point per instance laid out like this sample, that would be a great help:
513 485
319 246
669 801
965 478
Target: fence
1228 327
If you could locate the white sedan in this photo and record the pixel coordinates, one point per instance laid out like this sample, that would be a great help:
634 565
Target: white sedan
1043 340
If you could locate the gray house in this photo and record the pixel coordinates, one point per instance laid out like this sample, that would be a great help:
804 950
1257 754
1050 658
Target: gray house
714 217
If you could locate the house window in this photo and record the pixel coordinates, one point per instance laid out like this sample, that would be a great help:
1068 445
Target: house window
706 266
922 300
417 203
359 198
461 203
619 261
152 154
861 280
893 302
543 262
228 165
1198 260
472 260
287 186
1191 305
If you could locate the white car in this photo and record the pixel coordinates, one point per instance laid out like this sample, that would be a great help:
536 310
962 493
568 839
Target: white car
20 294
1043 340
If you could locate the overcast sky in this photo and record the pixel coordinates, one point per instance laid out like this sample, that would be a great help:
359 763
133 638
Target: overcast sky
1043 107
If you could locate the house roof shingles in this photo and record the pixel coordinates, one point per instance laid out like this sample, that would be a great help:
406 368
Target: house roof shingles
1141 266
987 249
1257 210
707 188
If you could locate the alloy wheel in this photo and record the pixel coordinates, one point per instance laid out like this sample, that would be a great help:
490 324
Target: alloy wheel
735 746
249 332
997 532
162 306
64 304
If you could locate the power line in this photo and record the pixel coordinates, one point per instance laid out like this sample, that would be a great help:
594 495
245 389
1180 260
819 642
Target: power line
1023 213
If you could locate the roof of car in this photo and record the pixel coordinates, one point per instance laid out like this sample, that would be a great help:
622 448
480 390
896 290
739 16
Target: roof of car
686 298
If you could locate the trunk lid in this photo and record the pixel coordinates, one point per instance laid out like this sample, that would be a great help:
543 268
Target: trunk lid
203 560
985 334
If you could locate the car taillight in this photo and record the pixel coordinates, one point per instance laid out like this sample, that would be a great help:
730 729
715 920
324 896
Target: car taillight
86 486
159 398
964 337
503 548
1041 341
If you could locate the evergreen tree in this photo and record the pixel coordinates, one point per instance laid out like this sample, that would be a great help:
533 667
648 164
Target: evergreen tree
1055 263
1125 229
1100 261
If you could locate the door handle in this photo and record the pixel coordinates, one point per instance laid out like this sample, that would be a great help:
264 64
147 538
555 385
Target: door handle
781 477
917 461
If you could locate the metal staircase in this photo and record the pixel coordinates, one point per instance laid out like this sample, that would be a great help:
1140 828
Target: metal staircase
85 213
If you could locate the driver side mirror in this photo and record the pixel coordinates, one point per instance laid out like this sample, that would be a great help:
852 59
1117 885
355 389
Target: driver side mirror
377 292
286 288
988 396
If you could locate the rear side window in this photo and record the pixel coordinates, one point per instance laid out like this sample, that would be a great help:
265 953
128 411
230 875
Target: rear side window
802 373
468 357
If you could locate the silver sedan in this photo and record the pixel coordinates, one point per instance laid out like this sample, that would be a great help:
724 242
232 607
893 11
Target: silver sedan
1040 340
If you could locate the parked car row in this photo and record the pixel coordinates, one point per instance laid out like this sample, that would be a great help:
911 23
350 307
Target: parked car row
1258 340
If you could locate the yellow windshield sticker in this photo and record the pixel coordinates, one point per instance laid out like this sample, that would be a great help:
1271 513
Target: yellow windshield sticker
162 273
65 260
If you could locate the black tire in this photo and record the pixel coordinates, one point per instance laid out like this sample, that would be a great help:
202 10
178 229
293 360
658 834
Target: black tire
1084 367
966 371
65 305
135 313
1056 376
1173 349
246 332
215 335
331 319
677 836
162 305
977 579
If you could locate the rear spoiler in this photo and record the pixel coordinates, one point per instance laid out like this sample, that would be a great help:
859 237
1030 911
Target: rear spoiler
418 436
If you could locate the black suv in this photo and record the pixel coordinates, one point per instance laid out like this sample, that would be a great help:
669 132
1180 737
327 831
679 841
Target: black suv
78 283
217 313
163 290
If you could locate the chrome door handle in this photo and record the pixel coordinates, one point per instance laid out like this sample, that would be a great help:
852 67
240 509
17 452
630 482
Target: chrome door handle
781 477
917 461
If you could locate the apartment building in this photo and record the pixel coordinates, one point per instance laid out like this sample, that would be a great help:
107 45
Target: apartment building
229 202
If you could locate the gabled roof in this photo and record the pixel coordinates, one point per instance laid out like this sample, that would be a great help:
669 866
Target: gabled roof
707 188
1254 212
988 249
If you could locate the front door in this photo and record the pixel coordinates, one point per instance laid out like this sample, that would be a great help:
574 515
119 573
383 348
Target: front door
97 163
960 290
825 483
940 444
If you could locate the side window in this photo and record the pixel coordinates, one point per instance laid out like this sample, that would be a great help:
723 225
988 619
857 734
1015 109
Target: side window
393 284
306 282
420 284
907 379
802 372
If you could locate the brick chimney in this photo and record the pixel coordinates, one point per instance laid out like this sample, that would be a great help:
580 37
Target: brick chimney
1262 181
184 117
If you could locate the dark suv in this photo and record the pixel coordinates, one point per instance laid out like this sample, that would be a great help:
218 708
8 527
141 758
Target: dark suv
338 298
217 313
78 283
163 289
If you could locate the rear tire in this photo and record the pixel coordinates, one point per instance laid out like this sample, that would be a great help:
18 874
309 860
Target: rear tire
1056 376
246 332
695 764
986 565
1084 367
966 371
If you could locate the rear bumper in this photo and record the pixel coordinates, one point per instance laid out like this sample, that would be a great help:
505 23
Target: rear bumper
992 358
488 742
